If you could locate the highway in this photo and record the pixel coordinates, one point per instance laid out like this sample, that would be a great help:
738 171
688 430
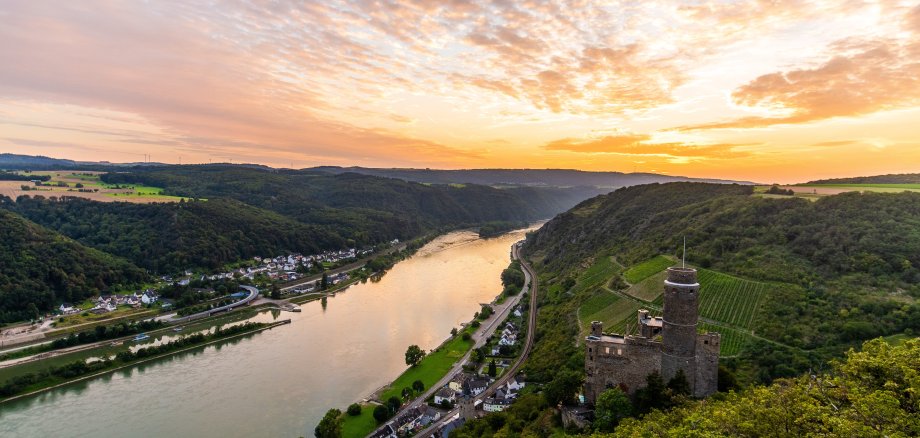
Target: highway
530 279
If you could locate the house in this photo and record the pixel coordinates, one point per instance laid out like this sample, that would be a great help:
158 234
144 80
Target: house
67 308
517 312
514 385
429 416
477 386
149 297
406 422
385 432
457 382
495 404
445 394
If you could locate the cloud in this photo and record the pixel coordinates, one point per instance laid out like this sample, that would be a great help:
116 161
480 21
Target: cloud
862 76
835 143
637 144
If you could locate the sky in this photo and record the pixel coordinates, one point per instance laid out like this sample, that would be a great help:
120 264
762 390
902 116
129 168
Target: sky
770 91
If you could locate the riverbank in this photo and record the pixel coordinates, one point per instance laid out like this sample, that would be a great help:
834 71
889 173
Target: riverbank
142 361
328 356
443 364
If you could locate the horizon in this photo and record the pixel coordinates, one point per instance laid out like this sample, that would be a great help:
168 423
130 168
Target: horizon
757 91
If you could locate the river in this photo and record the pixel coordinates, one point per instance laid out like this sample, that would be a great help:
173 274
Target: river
280 382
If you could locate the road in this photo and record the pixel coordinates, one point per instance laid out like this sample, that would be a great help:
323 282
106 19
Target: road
529 280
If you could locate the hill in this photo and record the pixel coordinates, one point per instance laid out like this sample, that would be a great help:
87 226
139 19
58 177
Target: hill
32 162
363 208
838 270
172 237
525 177
905 178
40 268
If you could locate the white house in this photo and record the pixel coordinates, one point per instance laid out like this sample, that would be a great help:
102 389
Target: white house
445 394
494 404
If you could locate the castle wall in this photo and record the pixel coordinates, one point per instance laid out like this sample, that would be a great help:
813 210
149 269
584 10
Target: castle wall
623 362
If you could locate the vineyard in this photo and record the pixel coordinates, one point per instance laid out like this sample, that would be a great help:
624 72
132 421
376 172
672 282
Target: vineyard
647 269
727 304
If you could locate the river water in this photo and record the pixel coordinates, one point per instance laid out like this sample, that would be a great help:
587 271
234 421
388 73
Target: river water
280 382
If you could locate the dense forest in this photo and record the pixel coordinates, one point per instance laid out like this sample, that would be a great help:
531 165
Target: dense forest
40 268
366 206
904 178
170 237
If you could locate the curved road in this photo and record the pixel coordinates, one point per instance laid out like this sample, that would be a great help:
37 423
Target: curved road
530 279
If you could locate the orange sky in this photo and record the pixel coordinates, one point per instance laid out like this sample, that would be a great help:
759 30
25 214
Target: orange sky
783 91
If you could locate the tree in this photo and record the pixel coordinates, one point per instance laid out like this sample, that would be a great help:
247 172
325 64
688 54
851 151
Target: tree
407 392
381 413
330 426
324 281
414 354
418 386
563 387
453 331
354 409
492 369
393 404
276 292
611 406
653 395
679 384
477 356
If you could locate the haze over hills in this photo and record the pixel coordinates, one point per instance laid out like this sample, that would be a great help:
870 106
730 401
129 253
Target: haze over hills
530 177
902 178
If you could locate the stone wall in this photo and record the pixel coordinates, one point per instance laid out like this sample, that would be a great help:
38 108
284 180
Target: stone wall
625 364
707 364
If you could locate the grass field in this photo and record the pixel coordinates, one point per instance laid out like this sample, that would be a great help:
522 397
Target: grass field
359 426
649 289
431 368
647 268
868 186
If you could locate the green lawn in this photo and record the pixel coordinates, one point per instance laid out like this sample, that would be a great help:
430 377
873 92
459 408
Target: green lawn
647 268
432 368
361 425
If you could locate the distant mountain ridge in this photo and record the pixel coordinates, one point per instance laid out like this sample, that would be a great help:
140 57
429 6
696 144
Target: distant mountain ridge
901 178
528 177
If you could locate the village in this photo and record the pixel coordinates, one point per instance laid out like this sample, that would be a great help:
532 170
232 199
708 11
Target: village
261 270
486 364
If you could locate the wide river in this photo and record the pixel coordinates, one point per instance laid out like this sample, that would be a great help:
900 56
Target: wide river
279 383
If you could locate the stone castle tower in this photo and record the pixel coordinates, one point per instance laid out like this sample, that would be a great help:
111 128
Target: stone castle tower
678 332
664 344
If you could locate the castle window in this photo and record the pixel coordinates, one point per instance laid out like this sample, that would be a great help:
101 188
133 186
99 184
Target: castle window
619 351
607 350
706 342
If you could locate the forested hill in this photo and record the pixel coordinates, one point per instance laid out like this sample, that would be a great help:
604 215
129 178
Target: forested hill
872 237
172 237
818 278
526 177
39 268
904 178
358 204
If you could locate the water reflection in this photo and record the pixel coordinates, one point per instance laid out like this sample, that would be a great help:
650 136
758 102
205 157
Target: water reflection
330 356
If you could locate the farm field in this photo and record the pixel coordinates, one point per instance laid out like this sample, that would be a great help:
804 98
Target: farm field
96 190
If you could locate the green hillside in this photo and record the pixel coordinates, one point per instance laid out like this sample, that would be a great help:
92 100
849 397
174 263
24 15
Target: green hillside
790 283
40 268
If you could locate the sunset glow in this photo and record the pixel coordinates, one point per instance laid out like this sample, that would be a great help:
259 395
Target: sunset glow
783 91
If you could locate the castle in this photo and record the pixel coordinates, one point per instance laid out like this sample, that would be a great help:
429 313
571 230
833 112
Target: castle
664 344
